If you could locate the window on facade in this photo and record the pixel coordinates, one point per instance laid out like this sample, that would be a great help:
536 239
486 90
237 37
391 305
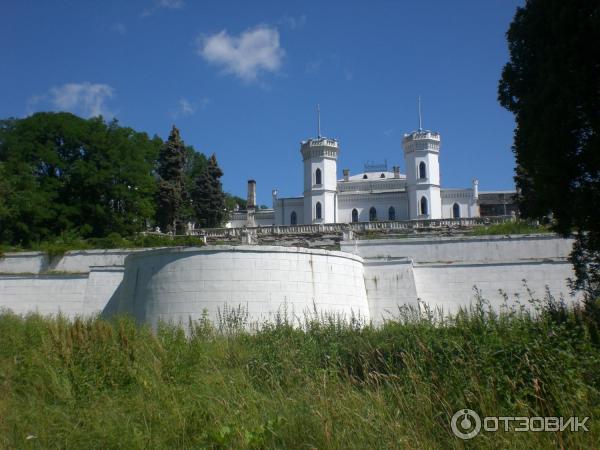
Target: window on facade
424 209
354 215
422 170
372 214
318 176
365 176
456 211
294 218
391 213
382 175
318 212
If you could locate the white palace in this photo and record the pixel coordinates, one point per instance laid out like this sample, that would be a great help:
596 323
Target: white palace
376 194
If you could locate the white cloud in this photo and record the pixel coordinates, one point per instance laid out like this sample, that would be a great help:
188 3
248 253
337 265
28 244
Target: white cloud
119 28
246 55
186 108
168 4
294 23
313 67
86 99
171 4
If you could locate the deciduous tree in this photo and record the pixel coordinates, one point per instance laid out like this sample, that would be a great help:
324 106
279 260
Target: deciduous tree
68 174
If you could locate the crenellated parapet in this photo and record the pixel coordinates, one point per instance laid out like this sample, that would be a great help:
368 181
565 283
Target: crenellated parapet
421 141
319 148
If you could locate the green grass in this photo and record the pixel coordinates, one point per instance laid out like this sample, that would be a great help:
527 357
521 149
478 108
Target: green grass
507 228
113 384
59 246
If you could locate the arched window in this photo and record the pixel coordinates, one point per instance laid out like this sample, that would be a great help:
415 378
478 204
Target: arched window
422 170
391 213
372 214
456 211
365 176
318 212
318 176
382 175
294 218
354 215
424 210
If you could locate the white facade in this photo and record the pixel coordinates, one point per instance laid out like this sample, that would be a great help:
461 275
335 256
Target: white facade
421 150
320 180
375 194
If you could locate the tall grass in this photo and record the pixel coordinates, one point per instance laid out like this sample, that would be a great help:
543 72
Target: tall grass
509 228
327 384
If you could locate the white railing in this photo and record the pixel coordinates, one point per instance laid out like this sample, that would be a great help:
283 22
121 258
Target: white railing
356 227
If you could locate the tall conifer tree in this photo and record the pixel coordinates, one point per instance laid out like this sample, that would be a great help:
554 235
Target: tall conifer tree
171 192
208 197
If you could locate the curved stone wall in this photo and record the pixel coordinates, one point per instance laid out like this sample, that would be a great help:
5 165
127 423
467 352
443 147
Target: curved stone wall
174 285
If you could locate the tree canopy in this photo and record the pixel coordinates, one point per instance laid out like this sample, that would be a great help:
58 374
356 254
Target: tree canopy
63 173
552 85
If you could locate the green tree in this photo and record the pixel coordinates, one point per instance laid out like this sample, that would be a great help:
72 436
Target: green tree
5 192
208 197
552 85
68 174
232 200
171 195
195 164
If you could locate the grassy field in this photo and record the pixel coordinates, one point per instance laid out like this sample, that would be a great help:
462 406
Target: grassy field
113 384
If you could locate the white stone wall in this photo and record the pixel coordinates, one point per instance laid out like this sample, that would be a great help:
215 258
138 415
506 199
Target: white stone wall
469 249
71 284
174 285
43 294
81 261
101 285
449 286
23 262
446 270
390 284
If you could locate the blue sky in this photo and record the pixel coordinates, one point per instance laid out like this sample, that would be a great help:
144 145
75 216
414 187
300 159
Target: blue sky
241 79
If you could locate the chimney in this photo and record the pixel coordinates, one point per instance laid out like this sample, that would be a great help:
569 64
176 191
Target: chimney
346 174
251 204
396 171
475 188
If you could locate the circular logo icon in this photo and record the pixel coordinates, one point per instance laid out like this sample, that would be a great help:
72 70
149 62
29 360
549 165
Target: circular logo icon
466 424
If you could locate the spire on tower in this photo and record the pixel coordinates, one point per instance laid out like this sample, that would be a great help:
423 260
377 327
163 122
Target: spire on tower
420 118
318 121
